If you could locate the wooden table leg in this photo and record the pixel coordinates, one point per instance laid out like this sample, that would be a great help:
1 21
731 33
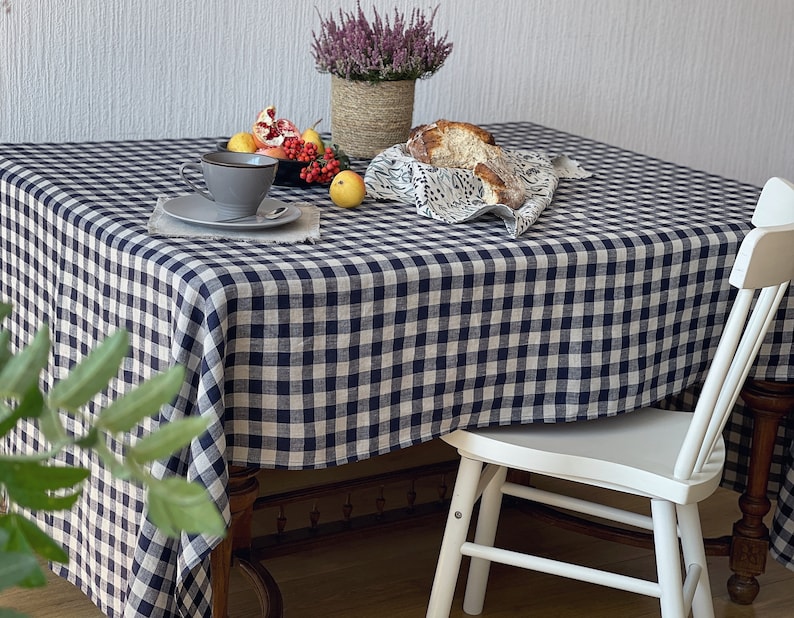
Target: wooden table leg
769 403
243 491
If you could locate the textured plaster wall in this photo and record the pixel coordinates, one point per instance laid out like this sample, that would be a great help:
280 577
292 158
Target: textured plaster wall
705 83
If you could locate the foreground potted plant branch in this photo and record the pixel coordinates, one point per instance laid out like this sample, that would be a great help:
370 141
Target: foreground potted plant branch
374 66
34 482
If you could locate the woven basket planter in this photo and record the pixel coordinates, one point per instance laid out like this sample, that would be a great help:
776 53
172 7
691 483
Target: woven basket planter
367 118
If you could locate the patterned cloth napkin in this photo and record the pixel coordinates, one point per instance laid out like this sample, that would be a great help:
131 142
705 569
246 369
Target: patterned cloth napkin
455 195
306 229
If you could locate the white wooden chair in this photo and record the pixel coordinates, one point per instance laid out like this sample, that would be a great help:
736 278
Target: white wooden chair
675 459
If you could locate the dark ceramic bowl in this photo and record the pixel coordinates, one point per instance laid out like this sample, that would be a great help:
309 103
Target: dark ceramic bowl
287 174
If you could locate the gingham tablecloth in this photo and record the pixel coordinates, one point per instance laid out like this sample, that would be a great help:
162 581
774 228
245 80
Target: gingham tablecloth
391 330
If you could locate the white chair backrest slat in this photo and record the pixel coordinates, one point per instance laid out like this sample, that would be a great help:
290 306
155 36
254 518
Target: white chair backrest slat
757 326
715 379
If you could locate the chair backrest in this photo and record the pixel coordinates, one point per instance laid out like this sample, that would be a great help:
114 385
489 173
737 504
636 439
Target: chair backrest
763 269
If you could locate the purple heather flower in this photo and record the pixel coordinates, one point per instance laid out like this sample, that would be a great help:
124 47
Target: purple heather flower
357 49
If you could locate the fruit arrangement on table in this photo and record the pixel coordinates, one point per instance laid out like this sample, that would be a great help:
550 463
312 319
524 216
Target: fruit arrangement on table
302 155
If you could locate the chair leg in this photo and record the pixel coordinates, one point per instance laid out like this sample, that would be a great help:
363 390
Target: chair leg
694 553
668 559
457 528
487 521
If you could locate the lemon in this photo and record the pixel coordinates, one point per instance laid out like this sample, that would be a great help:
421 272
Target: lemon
347 189
241 142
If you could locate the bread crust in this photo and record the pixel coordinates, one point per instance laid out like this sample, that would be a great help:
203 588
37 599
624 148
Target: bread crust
446 143
501 185
482 134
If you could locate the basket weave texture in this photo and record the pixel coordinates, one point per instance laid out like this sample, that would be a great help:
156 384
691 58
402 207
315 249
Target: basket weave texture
367 118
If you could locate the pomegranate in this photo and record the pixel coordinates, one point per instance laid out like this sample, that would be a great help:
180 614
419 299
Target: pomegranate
269 132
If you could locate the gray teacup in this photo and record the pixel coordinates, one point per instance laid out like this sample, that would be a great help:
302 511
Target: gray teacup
236 181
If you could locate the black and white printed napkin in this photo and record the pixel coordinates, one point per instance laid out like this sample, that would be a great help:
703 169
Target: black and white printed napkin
454 195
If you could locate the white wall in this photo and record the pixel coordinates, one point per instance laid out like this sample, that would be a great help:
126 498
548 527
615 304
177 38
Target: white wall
705 83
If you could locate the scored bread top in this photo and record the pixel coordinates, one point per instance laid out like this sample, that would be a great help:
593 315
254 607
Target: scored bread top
447 143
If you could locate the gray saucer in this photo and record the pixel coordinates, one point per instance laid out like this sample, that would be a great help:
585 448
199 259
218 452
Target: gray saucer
194 208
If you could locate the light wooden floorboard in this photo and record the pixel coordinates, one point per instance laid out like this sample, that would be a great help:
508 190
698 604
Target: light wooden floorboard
389 574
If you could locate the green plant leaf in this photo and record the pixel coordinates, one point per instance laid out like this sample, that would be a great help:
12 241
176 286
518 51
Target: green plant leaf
5 350
36 539
22 371
5 310
28 484
176 505
8 419
34 475
42 501
168 439
146 400
19 543
52 427
31 405
15 567
89 440
92 374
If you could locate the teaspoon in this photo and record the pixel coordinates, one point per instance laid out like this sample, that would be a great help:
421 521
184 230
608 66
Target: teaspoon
273 214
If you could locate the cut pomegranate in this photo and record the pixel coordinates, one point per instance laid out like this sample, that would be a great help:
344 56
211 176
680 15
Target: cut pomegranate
269 132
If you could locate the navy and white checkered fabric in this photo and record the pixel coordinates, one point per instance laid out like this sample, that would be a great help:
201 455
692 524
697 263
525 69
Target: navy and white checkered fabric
390 331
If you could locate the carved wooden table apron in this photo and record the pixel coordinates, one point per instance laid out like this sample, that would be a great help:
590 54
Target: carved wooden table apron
747 547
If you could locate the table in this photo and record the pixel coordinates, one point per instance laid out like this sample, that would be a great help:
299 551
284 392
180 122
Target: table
390 331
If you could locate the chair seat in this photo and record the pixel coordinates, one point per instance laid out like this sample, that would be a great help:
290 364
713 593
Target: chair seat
633 452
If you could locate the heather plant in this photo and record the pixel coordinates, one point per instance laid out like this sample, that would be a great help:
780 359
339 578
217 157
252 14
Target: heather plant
354 48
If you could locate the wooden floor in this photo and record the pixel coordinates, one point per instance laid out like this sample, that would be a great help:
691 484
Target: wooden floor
389 574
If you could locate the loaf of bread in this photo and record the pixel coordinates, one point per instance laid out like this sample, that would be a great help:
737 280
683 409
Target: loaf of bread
452 144
463 145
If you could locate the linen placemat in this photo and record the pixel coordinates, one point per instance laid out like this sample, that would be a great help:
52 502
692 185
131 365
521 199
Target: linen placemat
305 229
